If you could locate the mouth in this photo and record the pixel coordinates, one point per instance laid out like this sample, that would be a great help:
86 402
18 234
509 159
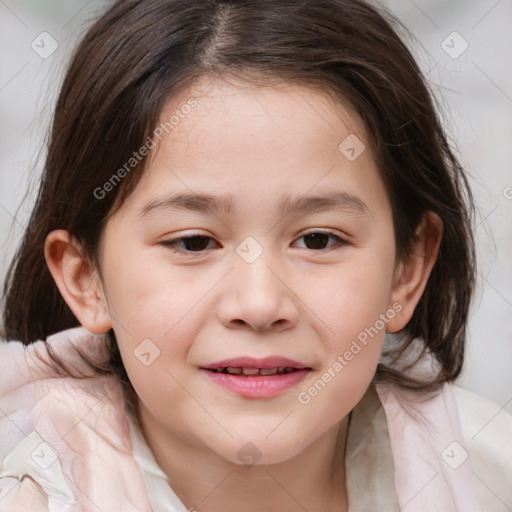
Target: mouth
256 378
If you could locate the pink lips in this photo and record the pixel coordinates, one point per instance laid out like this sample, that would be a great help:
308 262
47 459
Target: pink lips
256 378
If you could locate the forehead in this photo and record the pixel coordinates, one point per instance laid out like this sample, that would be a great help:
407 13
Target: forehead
249 107
244 140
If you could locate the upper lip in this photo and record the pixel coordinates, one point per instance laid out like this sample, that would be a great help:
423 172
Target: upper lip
251 362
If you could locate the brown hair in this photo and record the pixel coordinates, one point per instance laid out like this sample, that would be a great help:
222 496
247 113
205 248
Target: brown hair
141 52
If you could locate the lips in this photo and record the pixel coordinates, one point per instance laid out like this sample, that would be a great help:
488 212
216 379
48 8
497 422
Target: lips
256 378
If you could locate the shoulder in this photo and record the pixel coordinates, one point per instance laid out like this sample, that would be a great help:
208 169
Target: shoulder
60 437
487 431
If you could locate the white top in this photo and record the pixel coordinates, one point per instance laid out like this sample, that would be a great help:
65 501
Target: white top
369 462
160 493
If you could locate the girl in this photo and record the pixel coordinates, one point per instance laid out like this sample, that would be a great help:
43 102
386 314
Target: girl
246 280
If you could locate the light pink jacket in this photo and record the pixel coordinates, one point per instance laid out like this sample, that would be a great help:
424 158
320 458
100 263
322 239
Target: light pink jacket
65 443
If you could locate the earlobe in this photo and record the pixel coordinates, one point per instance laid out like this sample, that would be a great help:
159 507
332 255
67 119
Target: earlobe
78 283
412 274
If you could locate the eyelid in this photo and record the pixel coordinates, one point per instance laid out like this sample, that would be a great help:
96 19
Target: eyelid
326 231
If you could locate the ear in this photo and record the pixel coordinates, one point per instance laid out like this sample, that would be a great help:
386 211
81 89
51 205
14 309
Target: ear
412 274
78 282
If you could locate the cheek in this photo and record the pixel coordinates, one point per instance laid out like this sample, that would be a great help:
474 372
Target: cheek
351 297
344 379
148 295
154 320
354 304
155 368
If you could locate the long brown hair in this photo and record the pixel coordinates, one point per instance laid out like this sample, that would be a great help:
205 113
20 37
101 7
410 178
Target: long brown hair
141 52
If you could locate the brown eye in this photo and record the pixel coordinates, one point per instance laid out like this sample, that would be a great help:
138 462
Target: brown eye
319 240
195 243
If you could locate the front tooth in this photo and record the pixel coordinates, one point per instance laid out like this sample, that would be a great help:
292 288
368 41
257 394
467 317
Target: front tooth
268 371
234 370
281 369
250 371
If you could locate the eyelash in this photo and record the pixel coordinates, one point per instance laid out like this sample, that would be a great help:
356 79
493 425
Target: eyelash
174 241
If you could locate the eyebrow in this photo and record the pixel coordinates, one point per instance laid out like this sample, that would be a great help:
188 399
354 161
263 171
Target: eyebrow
212 204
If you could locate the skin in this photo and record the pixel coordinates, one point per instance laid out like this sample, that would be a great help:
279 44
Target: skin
295 300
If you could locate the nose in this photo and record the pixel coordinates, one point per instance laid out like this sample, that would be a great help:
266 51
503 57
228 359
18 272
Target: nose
259 296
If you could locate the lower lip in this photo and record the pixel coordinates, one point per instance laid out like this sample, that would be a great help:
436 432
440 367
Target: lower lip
257 386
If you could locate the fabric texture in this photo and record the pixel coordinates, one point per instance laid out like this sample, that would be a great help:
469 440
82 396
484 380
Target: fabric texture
68 445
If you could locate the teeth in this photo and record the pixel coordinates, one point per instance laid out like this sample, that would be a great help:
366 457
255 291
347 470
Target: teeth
235 370
268 371
250 371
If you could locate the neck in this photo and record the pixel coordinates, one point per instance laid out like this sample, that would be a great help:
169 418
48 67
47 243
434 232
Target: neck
312 480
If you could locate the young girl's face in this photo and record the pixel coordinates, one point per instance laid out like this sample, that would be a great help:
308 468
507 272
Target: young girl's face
297 271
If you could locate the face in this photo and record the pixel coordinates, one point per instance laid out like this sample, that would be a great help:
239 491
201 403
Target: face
291 265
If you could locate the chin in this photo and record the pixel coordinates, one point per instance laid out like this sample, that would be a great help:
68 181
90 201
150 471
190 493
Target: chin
260 450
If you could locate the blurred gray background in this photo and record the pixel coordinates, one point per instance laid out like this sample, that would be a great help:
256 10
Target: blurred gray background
464 47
